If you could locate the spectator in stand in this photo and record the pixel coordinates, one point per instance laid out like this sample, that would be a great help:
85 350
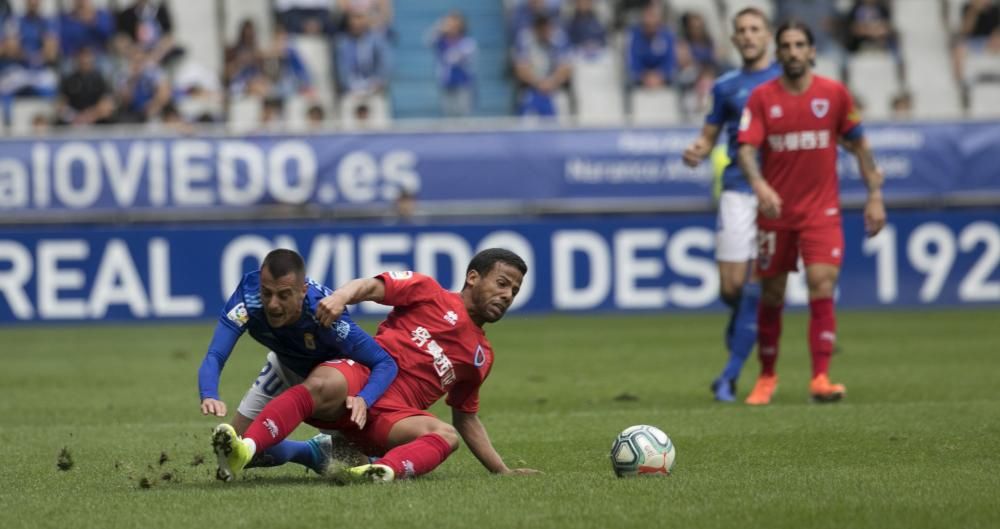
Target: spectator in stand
379 12
363 57
978 33
543 66
242 71
652 54
586 32
29 52
525 13
284 69
272 113
315 117
142 90
85 26
697 65
41 125
695 36
148 27
869 26
455 54
311 17
84 95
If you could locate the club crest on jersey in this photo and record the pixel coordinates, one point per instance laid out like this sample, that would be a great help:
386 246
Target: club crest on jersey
343 329
238 315
451 317
820 107
401 275
309 340
480 357
776 111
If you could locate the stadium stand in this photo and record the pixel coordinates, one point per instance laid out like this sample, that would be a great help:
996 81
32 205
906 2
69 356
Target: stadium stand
928 62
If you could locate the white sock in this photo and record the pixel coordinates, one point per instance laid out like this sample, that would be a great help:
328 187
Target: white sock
251 445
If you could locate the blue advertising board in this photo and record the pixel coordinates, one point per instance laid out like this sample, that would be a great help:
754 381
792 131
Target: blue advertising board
345 172
651 263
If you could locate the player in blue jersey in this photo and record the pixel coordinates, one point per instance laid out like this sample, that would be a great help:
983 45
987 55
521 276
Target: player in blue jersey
277 306
736 233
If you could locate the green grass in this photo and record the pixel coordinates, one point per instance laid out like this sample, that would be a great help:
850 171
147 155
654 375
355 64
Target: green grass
914 445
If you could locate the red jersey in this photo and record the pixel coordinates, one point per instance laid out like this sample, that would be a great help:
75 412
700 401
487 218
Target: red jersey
438 348
797 135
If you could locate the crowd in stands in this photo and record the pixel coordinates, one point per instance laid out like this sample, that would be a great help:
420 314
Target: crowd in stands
99 66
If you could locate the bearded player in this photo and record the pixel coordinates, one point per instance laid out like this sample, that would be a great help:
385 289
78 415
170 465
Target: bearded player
736 228
437 338
794 124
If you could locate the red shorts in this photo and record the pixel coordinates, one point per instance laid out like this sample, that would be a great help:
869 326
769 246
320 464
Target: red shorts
778 250
391 408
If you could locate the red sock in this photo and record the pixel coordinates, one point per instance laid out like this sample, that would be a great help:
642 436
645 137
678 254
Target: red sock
417 457
280 417
768 334
822 334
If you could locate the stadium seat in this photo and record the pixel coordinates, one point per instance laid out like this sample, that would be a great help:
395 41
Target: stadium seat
654 107
827 66
244 113
234 12
23 111
196 29
984 101
318 56
598 89
873 78
48 7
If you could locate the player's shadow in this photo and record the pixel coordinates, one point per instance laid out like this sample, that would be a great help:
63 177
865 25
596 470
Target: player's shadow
248 483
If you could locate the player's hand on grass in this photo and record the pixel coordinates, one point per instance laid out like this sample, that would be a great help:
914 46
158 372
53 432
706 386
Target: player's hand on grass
696 152
768 200
329 309
213 407
874 215
359 410
522 472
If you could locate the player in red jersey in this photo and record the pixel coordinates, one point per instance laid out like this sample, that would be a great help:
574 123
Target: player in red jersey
437 339
796 122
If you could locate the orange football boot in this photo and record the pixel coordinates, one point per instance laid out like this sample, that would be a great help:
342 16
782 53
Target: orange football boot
822 390
763 390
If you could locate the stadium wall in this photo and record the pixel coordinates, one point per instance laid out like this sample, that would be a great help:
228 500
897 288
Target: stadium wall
607 219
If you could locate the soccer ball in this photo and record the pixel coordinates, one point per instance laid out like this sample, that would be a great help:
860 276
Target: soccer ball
642 450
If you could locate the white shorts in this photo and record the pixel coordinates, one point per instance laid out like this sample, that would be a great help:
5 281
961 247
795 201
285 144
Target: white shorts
736 227
271 382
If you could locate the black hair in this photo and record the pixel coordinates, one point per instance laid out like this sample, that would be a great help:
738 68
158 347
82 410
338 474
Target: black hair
794 24
485 260
282 262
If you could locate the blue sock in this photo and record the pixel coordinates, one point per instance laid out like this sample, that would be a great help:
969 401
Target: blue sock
742 334
300 452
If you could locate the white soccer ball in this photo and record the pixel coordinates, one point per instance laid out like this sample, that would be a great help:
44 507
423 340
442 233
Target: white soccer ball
642 450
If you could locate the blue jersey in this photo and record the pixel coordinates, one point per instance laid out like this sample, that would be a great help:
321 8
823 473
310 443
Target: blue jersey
300 347
729 95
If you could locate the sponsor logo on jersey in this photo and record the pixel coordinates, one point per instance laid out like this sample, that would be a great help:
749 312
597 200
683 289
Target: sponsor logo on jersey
401 275
803 140
745 119
835 252
408 470
828 336
343 329
451 317
239 315
309 340
820 107
480 357
442 364
776 111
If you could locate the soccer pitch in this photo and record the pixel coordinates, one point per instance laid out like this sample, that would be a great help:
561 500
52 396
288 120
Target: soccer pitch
916 443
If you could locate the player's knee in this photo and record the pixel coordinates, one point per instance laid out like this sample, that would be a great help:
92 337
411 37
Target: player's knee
448 433
326 386
730 294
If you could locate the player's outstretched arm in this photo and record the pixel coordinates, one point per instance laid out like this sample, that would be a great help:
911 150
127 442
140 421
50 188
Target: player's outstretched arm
329 309
768 200
702 145
219 349
474 434
873 177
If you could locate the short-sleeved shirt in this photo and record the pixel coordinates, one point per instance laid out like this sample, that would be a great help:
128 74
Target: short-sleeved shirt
797 135
729 95
436 345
